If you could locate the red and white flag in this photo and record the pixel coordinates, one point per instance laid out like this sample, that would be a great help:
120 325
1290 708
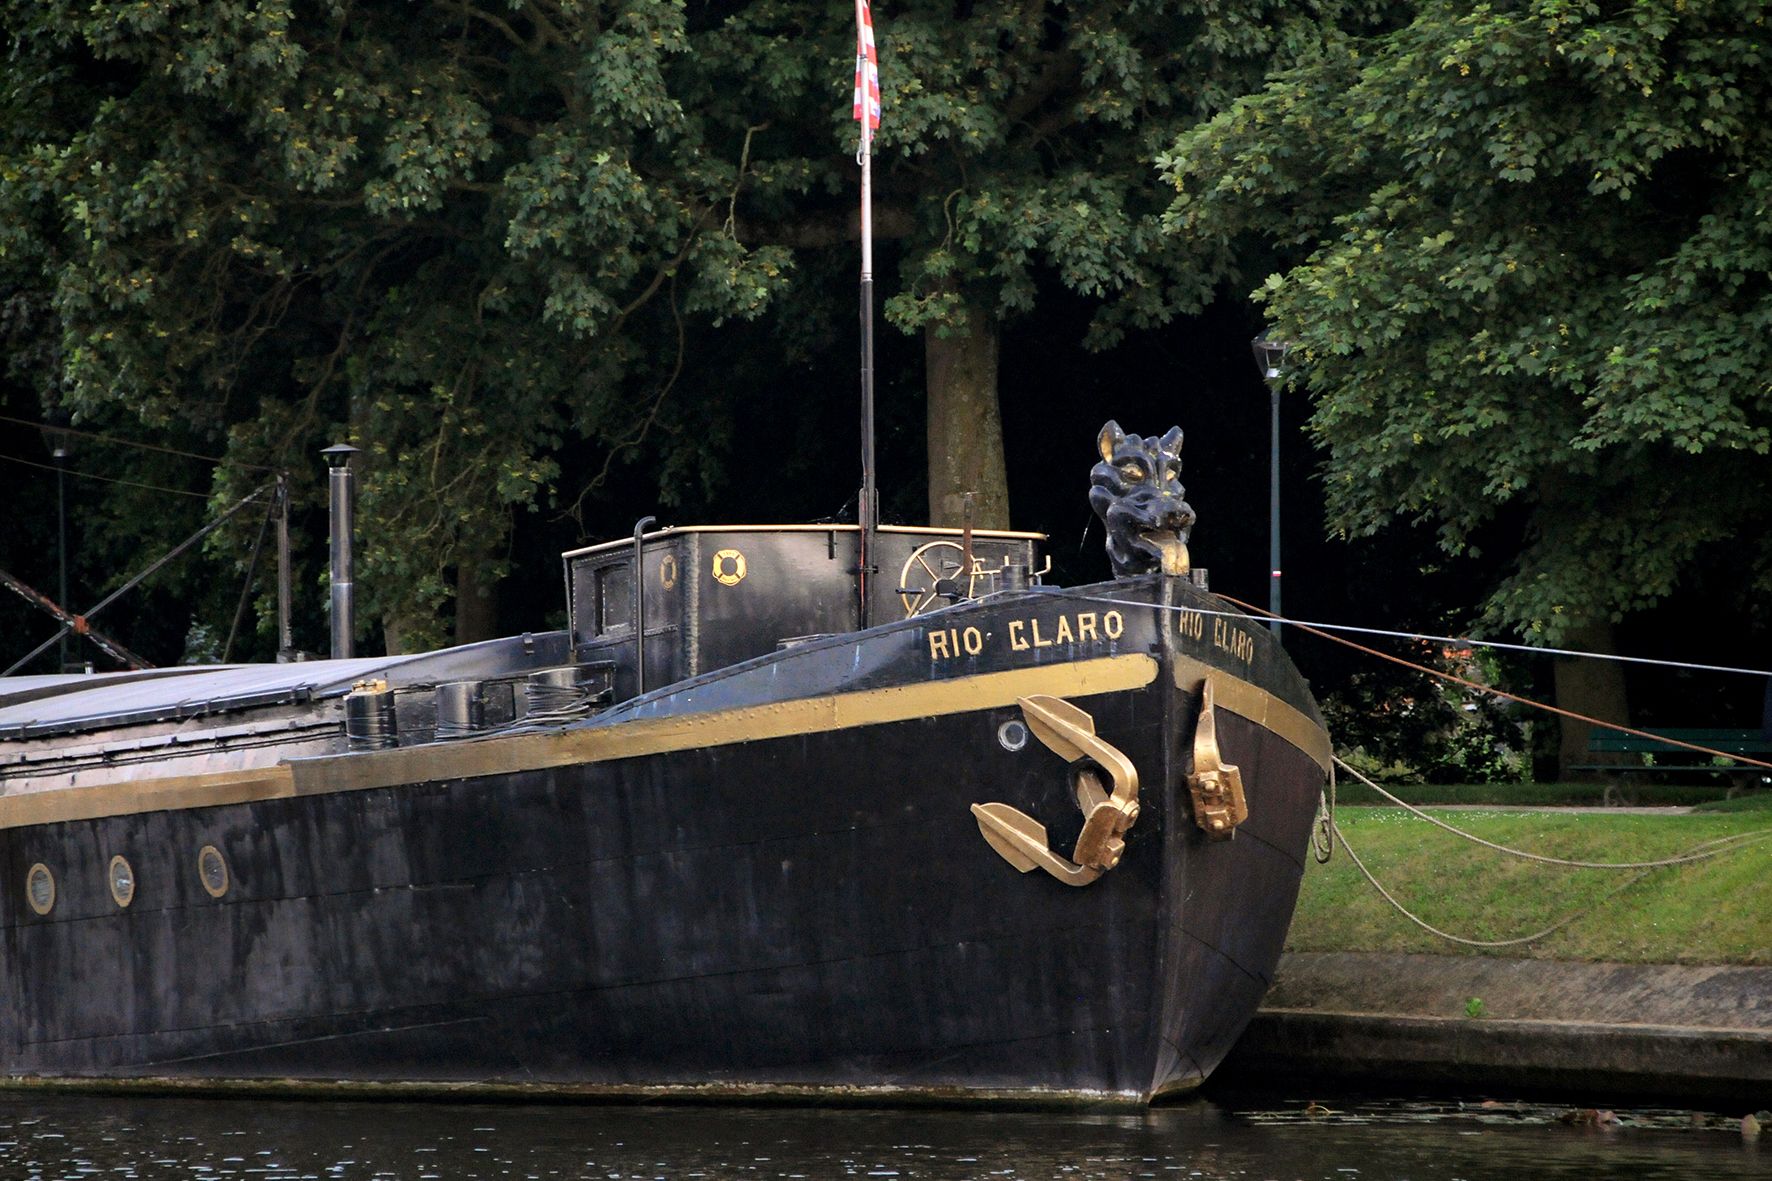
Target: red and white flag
867 66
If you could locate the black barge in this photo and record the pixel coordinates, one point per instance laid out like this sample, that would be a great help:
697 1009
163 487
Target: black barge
714 838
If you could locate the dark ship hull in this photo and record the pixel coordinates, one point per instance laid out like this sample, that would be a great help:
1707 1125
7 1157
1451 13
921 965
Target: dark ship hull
763 878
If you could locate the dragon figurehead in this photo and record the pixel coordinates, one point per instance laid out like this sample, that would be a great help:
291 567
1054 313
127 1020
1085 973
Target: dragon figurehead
1137 493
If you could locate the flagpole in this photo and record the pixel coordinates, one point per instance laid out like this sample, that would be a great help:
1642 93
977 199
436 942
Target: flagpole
866 98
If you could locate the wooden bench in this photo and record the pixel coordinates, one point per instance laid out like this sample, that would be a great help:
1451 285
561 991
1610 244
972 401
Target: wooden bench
1638 755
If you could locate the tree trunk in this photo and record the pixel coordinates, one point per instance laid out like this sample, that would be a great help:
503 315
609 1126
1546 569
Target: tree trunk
1591 687
395 632
476 605
965 427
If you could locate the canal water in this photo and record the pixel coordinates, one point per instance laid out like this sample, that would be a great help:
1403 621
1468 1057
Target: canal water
70 1136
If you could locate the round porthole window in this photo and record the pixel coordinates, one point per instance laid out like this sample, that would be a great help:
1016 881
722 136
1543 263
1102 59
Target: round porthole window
40 888
212 871
1013 735
122 881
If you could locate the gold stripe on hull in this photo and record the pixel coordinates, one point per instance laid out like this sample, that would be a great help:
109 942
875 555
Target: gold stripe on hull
781 719
1251 701
529 752
132 797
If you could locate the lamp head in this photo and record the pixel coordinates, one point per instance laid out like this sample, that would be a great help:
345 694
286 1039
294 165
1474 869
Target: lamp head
1270 357
56 435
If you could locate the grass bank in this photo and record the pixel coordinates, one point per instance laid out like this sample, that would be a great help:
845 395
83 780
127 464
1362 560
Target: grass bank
1554 795
1715 911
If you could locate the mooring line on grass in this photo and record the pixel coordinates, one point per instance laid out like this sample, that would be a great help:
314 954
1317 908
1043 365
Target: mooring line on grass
1540 857
1327 832
1703 851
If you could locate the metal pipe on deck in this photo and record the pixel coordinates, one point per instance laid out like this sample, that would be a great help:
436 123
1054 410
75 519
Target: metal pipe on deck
341 488
285 631
639 579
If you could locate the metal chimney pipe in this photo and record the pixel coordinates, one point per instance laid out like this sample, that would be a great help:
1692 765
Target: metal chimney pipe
285 631
640 527
341 486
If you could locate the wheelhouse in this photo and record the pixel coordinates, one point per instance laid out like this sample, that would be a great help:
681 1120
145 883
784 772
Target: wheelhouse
705 597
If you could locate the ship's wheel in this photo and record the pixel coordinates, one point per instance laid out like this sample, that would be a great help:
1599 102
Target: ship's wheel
941 573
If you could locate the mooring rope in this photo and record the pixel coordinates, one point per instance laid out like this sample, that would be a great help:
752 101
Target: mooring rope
1693 855
1447 935
1313 629
1744 760
1316 626
1527 856
1703 851
1326 832
1323 828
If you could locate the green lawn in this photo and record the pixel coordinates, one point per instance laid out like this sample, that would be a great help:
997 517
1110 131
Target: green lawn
1716 911
1639 791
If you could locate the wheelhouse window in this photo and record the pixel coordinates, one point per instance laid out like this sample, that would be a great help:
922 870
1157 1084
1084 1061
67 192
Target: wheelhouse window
615 598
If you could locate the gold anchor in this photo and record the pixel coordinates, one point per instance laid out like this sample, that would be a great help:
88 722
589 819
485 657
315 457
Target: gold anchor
1217 786
1021 840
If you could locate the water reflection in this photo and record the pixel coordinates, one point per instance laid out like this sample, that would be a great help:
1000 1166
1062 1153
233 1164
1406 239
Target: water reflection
64 1136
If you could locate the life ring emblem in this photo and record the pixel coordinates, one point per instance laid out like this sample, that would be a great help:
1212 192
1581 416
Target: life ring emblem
729 567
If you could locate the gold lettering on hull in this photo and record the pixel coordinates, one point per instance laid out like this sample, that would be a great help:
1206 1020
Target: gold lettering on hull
948 642
1229 638
1028 633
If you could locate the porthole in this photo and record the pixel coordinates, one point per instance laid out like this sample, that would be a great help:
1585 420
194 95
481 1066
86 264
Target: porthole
122 881
40 888
212 871
1013 735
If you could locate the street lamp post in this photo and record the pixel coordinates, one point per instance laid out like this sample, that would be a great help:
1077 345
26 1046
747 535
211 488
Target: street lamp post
1270 359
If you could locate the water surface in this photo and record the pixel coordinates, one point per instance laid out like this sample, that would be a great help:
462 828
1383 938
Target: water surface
71 1136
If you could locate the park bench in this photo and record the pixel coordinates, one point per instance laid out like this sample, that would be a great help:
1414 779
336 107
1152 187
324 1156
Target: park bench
1632 754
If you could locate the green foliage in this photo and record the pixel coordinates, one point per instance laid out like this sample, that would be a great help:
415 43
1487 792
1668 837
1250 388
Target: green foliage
460 235
1015 144
1375 768
1527 265
202 645
479 239
1397 725
1021 147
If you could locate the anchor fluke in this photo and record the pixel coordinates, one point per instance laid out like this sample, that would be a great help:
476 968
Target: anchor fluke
1058 725
1021 840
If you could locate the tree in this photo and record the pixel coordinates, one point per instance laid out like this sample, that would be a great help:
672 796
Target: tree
460 233
481 237
1017 141
1528 284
